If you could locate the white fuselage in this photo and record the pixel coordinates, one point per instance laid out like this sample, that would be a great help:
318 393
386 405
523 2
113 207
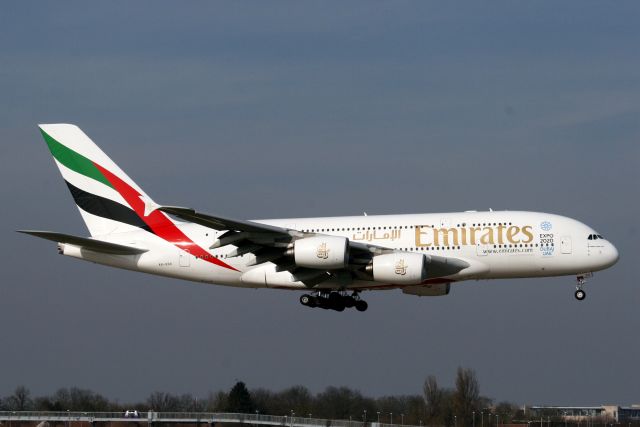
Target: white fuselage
496 245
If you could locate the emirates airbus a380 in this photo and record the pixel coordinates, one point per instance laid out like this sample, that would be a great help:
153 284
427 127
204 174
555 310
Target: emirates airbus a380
332 260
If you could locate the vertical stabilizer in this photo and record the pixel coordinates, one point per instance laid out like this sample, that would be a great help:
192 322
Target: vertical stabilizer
109 201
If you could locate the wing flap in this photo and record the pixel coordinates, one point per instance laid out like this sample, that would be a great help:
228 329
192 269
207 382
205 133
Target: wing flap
86 243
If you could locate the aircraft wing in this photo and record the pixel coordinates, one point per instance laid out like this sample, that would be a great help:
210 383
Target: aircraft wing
238 231
222 223
86 243
269 244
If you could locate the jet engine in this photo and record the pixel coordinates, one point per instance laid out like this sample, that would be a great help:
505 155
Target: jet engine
400 268
323 252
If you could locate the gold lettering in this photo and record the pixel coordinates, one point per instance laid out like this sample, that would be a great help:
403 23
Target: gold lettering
473 234
463 236
445 233
487 238
500 230
526 230
419 234
426 235
511 234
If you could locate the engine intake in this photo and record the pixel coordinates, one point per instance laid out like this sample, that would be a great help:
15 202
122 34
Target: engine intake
400 268
323 252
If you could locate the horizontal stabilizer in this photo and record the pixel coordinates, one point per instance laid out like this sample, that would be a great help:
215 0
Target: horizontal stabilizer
86 243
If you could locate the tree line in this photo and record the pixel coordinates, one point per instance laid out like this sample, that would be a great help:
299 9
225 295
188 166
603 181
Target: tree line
460 405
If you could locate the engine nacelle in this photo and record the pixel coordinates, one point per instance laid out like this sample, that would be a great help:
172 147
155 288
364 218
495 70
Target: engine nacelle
428 290
324 252
404 268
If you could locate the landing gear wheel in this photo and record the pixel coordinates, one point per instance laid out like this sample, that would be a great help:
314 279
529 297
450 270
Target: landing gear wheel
336 302
322 301
308 300
349 301
361 305
580 295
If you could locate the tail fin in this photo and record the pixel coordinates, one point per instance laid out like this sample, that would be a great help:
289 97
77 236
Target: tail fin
109 201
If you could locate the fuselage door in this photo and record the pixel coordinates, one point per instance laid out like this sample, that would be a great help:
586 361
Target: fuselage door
565 244
185 258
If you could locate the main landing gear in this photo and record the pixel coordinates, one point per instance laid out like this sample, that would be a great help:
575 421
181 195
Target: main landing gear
337 301
580 294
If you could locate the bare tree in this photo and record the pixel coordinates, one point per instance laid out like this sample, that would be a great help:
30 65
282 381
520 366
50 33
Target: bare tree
20 400
432 398
163 402
466 396
342 402
216 402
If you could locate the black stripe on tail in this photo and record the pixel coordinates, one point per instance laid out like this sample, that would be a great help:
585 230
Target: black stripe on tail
106 208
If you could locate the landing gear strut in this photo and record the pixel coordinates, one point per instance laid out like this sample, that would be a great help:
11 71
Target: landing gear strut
580 294
337 301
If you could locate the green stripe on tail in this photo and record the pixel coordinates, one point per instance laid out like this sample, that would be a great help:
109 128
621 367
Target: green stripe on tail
74 161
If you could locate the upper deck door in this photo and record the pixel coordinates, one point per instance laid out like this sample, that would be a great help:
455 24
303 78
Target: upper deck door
565 244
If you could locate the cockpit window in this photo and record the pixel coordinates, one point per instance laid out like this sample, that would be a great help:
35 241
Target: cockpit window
595 237
599 236
590 237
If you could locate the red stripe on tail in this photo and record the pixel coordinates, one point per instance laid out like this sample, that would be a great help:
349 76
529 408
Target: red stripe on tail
159 223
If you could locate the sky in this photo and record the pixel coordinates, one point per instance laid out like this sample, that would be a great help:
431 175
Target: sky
301 108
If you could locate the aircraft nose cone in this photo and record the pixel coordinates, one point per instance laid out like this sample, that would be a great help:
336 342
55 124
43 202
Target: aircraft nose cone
612 255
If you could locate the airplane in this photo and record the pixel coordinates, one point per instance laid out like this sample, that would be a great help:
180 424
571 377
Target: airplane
332 259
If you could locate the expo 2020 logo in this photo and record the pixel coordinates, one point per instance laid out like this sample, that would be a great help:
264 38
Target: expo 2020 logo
545 225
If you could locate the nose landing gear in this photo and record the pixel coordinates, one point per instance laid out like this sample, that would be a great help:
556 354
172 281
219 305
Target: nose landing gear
580 294
337 301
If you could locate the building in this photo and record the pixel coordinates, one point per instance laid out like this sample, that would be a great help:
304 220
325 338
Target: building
578 413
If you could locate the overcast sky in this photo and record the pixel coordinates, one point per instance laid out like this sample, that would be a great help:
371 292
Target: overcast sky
291 109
